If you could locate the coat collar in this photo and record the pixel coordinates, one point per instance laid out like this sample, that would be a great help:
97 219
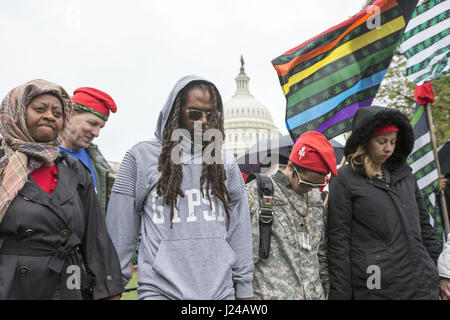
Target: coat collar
283 180
400 173
64 191
395 176
67 181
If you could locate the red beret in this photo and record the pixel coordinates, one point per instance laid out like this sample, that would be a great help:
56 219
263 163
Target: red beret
95 101
313 151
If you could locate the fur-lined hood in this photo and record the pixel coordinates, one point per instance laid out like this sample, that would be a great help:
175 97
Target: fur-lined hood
368 119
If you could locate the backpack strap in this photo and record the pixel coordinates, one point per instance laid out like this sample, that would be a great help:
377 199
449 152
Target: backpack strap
265 191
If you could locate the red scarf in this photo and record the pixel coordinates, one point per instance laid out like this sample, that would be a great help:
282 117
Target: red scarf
46 177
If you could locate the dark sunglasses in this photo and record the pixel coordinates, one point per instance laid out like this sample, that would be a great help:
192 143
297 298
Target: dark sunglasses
196 115
306 184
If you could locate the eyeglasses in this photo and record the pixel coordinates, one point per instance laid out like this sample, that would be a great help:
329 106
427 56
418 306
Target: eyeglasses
196 115
307 184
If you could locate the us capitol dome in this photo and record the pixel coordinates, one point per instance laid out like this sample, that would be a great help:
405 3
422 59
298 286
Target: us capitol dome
246 120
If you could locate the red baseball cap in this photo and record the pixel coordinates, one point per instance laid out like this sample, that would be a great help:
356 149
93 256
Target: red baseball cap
313 151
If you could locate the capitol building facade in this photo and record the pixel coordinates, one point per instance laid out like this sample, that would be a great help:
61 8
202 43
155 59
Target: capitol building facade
246 119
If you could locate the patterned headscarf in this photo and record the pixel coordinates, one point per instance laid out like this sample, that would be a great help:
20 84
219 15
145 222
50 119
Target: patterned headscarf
22 154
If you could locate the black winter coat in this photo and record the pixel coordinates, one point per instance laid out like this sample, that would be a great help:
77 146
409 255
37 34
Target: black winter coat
45 238
373 223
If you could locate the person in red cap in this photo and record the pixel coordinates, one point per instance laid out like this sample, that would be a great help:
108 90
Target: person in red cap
289 242
91 110
54 244
380 241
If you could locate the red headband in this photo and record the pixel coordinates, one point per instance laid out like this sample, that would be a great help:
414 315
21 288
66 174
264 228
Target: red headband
384 129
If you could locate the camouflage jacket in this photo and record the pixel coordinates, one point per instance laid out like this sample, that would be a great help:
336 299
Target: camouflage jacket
105 180
290 272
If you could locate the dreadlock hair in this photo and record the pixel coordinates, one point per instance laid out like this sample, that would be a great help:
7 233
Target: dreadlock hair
169 184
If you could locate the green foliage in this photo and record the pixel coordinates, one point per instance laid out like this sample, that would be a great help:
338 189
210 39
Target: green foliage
131 295
397 92
441 108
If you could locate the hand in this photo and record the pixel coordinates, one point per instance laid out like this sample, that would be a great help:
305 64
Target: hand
444 285
131 266
442 182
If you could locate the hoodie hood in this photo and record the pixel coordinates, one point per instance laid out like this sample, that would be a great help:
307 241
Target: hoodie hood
192 254
368 119
167 108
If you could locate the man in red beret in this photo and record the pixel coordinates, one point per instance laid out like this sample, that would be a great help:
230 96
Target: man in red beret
289 238
91 109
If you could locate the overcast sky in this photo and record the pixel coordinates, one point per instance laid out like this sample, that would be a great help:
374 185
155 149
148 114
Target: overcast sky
136 50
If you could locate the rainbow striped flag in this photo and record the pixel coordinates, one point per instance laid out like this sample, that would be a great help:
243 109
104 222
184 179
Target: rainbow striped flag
329 77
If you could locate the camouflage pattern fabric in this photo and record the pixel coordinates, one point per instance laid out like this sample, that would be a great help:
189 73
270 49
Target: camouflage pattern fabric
105 180
290 272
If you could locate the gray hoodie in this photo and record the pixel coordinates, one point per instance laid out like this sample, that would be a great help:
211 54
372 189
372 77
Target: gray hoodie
197 258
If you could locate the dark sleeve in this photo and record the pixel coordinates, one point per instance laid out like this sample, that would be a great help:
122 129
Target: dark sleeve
447 195
97 247
339 230
110 178
429 236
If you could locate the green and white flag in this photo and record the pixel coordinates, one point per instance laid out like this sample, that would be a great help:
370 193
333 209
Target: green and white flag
423 165
426 42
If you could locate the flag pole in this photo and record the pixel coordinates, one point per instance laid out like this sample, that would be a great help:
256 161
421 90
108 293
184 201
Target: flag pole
438 166
325 202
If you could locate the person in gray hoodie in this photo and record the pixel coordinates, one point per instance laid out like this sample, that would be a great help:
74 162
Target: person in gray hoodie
192 213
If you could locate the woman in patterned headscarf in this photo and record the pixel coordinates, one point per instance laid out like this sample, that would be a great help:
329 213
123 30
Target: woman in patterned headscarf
22 152
53 239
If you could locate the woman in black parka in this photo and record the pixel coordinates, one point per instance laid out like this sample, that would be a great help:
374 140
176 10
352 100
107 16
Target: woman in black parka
380 241
53 238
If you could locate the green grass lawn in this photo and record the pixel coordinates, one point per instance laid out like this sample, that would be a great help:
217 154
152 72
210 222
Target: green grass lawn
131 295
